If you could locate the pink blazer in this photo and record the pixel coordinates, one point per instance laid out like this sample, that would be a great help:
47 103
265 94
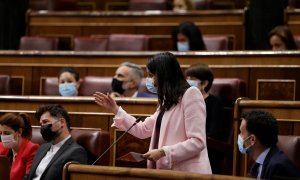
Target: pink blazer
182 134
21 165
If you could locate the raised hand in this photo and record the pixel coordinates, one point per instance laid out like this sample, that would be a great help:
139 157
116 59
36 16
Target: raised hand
106 101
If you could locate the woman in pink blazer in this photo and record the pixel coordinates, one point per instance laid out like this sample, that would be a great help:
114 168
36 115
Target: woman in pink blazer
15 131
177 127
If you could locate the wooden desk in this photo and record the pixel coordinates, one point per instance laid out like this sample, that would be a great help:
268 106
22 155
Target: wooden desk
83 112
286 113
73 24
74 171
246 65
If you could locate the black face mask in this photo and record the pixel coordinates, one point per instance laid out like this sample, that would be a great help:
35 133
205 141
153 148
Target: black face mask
117 86
47 134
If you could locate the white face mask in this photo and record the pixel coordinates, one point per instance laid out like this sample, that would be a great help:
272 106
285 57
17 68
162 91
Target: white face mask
183 46
8 141
193 83
150 85
68 89
241 145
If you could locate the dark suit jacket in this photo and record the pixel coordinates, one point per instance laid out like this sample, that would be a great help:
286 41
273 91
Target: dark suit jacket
147 95
278 166
70 151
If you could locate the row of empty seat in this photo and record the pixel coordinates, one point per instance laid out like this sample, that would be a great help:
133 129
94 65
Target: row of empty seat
114 42
132 5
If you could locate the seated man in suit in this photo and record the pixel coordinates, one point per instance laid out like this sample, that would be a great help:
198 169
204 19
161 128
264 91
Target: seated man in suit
127 81
61 148
258 138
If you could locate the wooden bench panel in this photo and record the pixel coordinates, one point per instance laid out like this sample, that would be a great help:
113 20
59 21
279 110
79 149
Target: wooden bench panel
214 22
74 171
246 65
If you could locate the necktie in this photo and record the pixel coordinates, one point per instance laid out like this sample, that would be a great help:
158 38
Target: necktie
254 170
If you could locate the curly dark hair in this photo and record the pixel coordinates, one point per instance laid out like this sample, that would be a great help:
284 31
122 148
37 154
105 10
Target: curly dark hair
263 125
55 110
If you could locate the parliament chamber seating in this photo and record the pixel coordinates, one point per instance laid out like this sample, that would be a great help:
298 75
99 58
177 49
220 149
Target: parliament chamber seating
141 5
90 44
203 4
38 43
215 43
228 89
290 145
128 42
93 140
92 84
4 84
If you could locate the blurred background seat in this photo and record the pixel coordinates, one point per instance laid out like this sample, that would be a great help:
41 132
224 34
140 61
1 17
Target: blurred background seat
90 44
38 43
228 89
216 43
128 42
141 5
92 84
49 86
4 84
202 4
290 145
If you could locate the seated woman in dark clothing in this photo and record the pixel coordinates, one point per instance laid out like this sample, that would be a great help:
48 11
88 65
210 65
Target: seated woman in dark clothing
201 76
187 37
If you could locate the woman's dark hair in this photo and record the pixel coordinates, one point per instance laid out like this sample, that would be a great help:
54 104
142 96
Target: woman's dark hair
17 121
70 70
192 32
171 81
263 125
201 72
284 33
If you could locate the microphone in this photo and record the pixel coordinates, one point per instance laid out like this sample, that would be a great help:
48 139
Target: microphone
117 140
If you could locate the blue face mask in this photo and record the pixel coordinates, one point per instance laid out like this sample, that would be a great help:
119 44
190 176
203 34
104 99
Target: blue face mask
183 46
193 83
150 85
240 143
68 89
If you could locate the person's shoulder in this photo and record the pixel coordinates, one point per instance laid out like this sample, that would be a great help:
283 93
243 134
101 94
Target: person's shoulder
278 158
192 91
147 95
74 145
29 145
